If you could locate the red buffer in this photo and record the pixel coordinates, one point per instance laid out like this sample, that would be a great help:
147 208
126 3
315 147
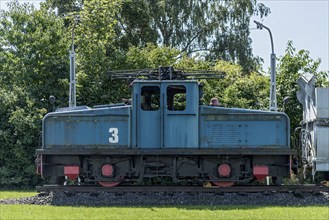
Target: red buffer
72 172
260 172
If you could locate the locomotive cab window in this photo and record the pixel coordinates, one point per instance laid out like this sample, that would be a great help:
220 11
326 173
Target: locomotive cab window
150 98
176 98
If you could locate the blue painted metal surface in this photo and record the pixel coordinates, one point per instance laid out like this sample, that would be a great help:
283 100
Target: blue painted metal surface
146 123
101 127
181 127
160 125
225 127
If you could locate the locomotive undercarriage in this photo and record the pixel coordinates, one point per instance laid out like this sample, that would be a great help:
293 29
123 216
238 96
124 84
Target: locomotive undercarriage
196 169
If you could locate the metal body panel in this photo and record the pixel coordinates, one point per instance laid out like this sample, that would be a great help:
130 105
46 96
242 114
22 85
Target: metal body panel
181 131
164 128
146 129
181 127
223 127
322 148
102 127
322 103
315 101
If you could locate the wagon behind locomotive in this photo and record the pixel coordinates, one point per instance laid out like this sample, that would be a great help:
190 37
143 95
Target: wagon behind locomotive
164 132
314 130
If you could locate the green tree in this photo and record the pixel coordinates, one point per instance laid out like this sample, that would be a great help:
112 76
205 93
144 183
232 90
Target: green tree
213 29
290 67
65 7
135 27
251 92
33 52
33 66
236 89
217 29
150 57
20 124
96 53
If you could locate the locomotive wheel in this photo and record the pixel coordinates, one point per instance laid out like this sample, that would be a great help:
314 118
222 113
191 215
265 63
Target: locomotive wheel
108 184
223 184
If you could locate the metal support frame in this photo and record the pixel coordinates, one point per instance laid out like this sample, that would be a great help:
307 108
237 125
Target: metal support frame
165 73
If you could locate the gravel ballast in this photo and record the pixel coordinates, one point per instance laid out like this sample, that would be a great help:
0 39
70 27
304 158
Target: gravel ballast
183 198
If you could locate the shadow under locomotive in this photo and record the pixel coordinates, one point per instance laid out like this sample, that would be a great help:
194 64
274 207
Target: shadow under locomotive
164 132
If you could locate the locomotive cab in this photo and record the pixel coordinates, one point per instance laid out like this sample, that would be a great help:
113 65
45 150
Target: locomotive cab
165 114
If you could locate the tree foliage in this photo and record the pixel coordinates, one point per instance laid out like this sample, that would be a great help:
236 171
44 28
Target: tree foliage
251 92
94 37
291 66
213 29
64 7
33 51
20 124
150 57
235 90
33 65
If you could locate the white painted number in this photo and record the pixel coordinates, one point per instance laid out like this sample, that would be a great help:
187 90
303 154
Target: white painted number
114 132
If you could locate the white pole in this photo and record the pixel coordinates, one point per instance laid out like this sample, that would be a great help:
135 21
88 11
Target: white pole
273 101
72 95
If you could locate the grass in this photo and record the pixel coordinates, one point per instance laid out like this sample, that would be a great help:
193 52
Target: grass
16 194
183 212
157 212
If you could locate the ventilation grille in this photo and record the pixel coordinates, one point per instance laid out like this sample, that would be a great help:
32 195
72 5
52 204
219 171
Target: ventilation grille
224 135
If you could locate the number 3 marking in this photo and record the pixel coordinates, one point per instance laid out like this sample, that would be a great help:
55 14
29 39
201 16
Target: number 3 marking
114 132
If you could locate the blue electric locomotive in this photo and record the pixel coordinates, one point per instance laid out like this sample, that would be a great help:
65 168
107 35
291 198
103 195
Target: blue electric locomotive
164 132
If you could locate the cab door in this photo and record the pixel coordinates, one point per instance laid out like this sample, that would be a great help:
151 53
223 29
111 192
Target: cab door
180 114
147 115
165 114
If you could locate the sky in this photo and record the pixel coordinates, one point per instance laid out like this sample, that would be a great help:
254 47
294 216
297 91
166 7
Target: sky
304 22
4 2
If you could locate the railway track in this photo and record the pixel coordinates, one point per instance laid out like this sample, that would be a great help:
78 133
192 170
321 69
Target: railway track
93 195
189 189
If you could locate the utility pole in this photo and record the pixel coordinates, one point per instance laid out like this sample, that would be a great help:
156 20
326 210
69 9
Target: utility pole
273 101
72 95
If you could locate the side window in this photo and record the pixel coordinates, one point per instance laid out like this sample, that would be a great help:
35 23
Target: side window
150 98
176 98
